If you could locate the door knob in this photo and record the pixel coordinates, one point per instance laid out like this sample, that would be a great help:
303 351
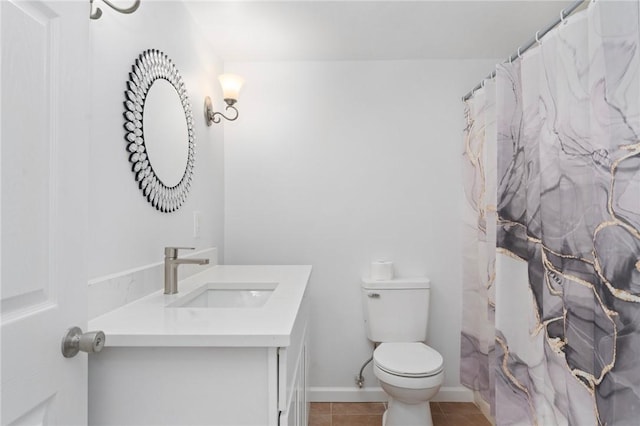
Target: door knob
75 341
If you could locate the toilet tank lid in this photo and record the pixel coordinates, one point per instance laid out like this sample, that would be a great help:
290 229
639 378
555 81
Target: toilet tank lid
397 283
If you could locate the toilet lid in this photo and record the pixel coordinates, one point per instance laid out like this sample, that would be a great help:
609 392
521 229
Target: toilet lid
408 359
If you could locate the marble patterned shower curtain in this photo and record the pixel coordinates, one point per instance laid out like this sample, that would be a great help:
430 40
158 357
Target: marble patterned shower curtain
479 242
551 275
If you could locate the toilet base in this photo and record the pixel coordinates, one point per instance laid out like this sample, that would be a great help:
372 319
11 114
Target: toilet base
401 414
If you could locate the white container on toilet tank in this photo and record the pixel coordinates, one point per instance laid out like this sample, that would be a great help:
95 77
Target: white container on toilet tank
381 270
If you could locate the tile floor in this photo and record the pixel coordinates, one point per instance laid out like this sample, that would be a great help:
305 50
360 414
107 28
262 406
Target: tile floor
370 414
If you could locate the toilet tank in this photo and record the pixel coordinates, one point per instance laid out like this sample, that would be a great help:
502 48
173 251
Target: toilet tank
396 310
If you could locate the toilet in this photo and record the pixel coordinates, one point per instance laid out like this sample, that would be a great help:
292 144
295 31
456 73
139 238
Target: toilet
410 372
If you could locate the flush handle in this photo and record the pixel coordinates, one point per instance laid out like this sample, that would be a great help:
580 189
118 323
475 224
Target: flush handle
75 341
374 295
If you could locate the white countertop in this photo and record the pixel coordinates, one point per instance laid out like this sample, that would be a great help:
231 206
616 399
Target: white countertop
149 322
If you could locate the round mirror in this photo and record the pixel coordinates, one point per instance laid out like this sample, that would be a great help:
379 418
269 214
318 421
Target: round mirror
165 131
159 125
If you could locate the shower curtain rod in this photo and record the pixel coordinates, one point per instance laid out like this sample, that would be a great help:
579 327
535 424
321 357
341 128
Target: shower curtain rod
532 41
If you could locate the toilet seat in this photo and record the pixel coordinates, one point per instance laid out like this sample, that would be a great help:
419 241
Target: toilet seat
408 359
407 382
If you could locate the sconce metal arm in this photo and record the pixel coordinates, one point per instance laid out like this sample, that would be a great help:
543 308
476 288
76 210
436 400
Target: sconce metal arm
98 13
215 117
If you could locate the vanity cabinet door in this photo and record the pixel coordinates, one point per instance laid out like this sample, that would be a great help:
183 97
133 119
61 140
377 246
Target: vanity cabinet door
292 374
293 417
296 412
301 389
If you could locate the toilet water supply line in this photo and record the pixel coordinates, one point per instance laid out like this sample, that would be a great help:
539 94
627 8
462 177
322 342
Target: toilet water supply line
360 377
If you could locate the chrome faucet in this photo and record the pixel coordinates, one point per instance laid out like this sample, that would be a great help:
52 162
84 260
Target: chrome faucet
171 263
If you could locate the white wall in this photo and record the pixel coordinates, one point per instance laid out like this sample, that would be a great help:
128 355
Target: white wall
125 230
336 164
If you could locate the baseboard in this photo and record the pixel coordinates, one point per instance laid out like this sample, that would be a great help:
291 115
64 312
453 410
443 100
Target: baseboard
346 394
376 394
483 406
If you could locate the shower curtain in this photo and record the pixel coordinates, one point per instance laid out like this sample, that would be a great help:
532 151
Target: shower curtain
551 247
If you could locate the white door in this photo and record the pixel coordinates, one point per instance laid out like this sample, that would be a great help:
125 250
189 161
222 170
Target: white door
44 85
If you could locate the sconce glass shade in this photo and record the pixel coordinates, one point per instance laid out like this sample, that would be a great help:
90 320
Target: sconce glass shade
231 85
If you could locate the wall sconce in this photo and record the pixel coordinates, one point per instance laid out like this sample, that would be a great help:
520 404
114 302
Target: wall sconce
231 85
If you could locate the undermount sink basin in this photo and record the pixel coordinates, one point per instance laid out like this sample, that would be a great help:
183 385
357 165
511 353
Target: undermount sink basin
216 295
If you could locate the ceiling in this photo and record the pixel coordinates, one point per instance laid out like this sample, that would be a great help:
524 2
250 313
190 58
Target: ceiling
303 30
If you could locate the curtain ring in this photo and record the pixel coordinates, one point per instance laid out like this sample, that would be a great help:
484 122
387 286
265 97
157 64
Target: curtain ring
519 53
482 83
562 21
538 37
510 59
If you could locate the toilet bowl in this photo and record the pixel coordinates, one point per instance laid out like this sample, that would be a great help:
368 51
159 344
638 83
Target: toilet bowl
411 373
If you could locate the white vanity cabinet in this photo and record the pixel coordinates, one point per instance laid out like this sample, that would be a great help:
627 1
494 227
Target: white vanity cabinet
194 378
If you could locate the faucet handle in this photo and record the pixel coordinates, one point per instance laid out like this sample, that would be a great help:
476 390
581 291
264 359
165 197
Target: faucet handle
173 251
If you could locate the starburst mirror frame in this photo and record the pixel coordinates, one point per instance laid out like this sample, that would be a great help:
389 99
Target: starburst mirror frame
150 66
